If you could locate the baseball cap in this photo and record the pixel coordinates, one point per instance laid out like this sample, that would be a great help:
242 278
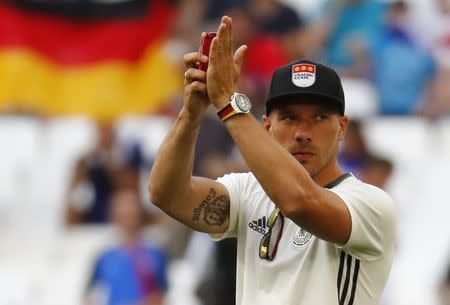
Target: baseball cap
305 78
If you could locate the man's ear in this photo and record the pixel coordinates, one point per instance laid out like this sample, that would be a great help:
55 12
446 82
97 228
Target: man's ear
343 126
266 122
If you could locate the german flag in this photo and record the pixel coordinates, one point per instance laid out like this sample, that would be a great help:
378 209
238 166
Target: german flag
100 60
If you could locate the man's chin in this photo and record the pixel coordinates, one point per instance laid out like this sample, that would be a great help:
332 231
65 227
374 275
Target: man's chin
308 166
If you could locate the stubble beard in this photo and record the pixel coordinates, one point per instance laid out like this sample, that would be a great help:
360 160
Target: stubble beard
321 165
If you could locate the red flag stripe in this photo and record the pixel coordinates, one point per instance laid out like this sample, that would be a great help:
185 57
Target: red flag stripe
74 42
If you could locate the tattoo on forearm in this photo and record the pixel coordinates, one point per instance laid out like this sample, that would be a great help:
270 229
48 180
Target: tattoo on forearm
216 209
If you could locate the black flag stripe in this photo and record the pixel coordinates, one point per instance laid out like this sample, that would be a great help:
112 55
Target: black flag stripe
86 9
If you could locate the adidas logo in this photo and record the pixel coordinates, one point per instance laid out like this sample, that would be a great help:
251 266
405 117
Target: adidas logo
259 225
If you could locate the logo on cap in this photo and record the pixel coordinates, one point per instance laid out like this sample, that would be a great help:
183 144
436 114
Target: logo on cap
303 75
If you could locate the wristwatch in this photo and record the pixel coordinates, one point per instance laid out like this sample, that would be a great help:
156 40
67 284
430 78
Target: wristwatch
239 103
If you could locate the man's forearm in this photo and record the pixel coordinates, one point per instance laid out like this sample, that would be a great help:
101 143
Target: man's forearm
172 169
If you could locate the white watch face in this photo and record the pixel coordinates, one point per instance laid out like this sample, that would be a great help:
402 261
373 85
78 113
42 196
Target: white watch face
243 102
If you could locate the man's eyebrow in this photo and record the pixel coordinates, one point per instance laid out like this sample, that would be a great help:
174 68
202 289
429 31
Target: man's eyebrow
284 110
326 110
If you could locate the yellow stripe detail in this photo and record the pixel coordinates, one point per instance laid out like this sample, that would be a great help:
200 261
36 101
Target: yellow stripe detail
228 115
103 91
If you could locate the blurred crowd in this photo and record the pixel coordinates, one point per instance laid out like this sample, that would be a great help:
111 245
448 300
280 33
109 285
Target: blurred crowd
382 42
385 45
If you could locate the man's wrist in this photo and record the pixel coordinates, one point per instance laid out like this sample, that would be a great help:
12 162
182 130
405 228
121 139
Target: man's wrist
221 102
191 117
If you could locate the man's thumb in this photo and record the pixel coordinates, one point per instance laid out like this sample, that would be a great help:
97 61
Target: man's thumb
239 56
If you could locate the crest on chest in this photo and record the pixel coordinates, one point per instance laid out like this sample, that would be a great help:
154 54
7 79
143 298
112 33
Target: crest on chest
301 237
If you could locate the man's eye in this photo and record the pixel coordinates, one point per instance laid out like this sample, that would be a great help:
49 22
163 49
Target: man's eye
288 117
321 117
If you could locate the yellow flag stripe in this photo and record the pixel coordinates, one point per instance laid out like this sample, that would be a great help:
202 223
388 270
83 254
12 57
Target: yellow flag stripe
104 90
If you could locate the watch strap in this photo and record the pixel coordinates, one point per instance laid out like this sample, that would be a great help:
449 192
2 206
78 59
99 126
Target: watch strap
226 112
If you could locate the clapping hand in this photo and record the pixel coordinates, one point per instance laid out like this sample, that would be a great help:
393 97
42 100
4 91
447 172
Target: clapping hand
224 66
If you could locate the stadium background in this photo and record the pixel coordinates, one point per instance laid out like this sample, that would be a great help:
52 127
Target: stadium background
70 68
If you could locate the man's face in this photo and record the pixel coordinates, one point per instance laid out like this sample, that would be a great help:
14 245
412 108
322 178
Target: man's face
309 130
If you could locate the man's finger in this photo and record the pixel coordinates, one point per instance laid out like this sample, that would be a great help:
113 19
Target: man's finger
229 23
221 31
191 59
222 42
196 87
202 35
239 56
192 74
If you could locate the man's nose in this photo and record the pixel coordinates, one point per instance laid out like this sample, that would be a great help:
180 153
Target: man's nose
303 132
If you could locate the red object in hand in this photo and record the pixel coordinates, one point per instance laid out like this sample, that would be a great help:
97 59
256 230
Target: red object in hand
205 45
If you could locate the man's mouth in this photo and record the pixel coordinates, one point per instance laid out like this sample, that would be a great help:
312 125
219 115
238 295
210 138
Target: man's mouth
303 155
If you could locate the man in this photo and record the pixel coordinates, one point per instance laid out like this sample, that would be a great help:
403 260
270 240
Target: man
307 233
96 176
133 271
415 69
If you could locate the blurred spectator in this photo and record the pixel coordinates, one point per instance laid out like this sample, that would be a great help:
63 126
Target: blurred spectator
272 16
437 32
98 174
353 151
440 95
221 290
403 70
433 30
376 171
347 29
187 26
444 289
214 145
280 20
355 157
441 34
133 272
215 9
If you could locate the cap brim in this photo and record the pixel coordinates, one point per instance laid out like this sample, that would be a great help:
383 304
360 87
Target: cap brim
279 99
